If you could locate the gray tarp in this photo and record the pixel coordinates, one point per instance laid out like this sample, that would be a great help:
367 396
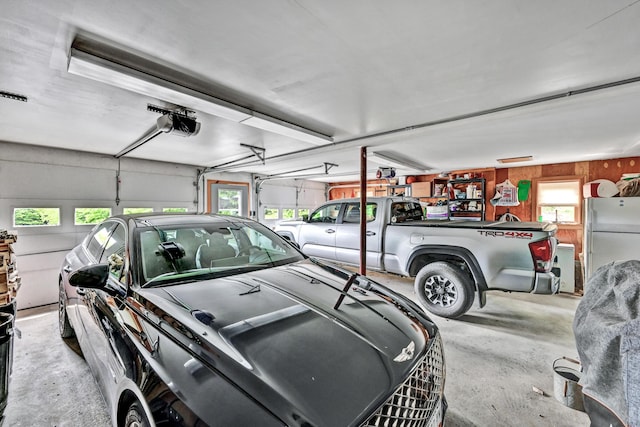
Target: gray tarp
607 332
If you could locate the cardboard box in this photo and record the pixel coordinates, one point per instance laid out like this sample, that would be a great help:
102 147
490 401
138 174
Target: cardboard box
421 189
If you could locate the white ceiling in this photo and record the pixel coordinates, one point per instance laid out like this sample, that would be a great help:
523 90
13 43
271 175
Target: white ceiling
368 73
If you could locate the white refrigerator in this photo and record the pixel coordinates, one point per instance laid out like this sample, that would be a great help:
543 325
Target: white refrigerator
611 231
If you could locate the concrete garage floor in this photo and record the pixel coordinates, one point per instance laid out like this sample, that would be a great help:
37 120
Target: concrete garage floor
495 356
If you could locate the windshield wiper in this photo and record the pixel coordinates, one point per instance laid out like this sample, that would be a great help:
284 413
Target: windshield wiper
352 278
254 289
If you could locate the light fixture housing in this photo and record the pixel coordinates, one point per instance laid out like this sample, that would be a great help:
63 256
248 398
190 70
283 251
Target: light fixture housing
389 159
106 68
515 159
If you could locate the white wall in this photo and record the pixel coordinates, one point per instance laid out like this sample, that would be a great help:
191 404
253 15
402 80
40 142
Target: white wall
33 176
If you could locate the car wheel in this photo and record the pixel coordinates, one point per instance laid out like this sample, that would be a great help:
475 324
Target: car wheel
444 290
136 417
66 331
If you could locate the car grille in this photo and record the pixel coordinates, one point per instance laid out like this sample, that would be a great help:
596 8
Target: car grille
414 403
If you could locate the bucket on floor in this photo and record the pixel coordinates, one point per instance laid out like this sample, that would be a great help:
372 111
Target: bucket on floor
566 374
6 350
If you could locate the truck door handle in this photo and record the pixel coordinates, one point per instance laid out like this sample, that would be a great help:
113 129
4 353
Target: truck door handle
329 230
370 233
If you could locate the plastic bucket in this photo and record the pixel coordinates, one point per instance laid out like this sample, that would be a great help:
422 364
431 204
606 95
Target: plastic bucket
566 374
6 359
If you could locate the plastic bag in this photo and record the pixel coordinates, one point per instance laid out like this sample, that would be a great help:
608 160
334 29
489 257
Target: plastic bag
506 194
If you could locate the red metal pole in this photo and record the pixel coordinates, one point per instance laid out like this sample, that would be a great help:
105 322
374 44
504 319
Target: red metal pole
363 210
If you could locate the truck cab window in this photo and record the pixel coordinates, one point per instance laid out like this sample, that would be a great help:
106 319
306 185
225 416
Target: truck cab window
328 213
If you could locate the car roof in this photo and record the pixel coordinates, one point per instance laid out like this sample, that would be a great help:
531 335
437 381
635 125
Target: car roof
375 199
174 218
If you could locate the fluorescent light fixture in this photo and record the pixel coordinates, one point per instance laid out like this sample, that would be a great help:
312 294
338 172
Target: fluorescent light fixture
271 124
516 159
109 71
387 159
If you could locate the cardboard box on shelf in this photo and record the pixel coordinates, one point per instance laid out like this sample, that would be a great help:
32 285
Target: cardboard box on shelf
421 189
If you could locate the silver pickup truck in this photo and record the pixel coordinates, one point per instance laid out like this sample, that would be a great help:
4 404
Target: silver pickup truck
451 261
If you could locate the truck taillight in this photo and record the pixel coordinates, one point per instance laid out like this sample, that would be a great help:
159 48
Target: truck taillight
541 252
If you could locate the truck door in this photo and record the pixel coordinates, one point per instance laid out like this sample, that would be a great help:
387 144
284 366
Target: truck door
318 237
348 235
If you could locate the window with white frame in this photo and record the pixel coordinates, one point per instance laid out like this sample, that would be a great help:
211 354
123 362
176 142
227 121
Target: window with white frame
559 200
271 213
36 217
288 213
128 211
85 216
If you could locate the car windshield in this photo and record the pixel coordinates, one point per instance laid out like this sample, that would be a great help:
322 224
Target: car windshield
176 254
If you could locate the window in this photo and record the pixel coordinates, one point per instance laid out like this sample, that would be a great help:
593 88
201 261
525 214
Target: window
559 200
352 213
34 217
270 213
406 211
303 212
288 213
328 213
128 211
113 253
174 209
85 216
98 239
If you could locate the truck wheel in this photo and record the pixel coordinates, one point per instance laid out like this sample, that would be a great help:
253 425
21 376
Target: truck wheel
444 289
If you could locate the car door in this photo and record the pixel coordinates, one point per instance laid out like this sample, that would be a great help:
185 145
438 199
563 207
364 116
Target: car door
318 236
88 253
348 235
98 320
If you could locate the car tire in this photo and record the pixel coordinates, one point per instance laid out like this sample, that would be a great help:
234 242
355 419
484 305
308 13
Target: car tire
444 289
136 417
66 331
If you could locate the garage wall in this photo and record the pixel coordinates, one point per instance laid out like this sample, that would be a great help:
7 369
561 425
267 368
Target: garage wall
33 176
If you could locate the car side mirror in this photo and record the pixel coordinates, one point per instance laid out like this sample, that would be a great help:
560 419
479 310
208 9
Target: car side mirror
90 276
305 218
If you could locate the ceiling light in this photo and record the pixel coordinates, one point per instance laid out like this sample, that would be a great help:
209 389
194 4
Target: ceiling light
516 159
110 71
271 124
386 159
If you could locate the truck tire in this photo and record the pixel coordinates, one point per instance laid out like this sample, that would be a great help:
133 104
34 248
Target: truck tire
444 290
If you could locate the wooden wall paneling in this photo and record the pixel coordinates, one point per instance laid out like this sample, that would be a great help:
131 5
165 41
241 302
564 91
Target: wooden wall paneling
582 169
524 209
612 169
558 169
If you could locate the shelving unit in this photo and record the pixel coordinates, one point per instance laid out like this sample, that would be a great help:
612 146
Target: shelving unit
437 198
399 190
465 207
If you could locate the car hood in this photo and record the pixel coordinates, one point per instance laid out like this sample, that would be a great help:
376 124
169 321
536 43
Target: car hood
277 334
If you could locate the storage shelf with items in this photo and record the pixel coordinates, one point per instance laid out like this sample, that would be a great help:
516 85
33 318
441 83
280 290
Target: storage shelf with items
9 279
433 196
399 190
466 199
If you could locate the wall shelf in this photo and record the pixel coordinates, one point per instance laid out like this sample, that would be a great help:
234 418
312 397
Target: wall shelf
472 208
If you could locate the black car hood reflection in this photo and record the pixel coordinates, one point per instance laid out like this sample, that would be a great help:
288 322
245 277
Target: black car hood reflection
277 334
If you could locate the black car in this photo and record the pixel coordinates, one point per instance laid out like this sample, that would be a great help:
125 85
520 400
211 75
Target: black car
194 320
